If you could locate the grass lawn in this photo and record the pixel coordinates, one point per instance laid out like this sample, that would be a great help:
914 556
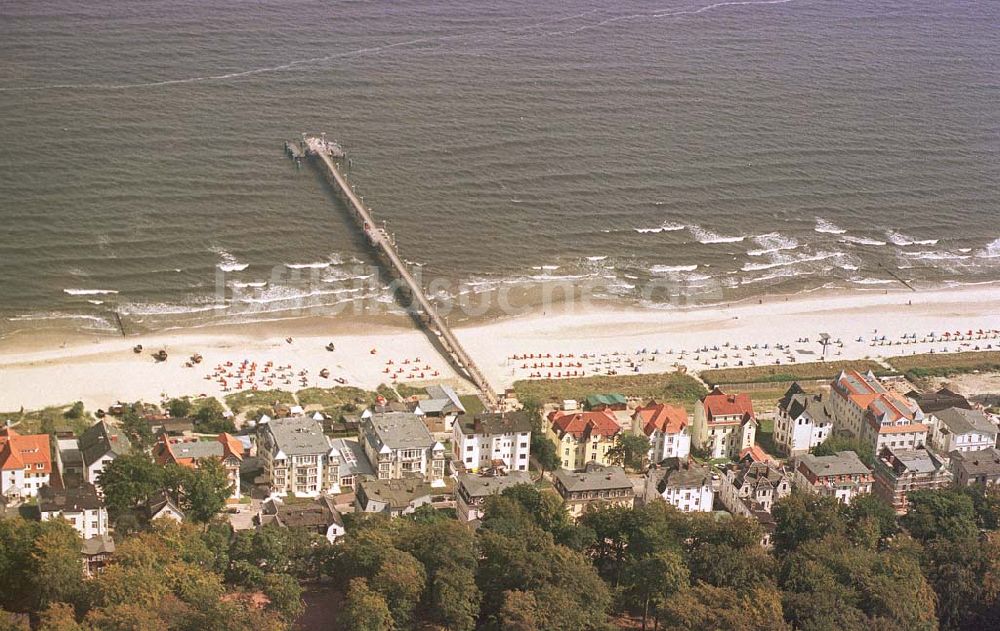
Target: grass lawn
667 387
338 400
789 372
47 421
242 401
946 364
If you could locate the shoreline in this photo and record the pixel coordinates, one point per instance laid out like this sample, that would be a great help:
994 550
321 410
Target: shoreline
38 372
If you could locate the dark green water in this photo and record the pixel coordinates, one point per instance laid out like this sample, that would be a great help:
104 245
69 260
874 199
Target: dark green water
734 149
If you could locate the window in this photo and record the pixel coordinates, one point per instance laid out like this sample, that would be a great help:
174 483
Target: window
469 448
411 454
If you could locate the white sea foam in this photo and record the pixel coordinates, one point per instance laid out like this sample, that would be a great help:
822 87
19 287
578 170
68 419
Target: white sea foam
771 243
146 309
872 281
254 285
596 258
96 302
991 251
861 240
89 292
316 265
849 267
903 240
938 256
228 262
787 261
547 268
672 269
707 237
665 227
822 225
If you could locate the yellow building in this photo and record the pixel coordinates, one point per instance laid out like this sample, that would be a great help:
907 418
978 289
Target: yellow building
583 437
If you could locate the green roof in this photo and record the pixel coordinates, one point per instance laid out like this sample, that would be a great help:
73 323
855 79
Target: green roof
595 400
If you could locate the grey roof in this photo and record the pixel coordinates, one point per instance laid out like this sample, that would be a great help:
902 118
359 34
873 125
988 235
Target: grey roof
961 421
595 478
486 485
397 430
441 400
69 451
841 463
75 500
786 399
299 435
758 474
100 439
811 404
315 514
353 460
197 449
931 402
911 460
495 423
160 500
398 494
977 463
102 544
681 473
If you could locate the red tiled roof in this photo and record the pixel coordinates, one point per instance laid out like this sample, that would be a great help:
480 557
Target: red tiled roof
718 403
19 452
584 424
666 418
756 454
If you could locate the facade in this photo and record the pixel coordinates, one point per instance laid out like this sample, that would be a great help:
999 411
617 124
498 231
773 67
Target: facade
398 445
296 455
959 429
841 475
976 467
668 429
162 506
724 424
100 444
80 506
751 488
482 441
682 483
899 472
801 421
473 491
347 463
319 516
25 463
186 452
583 437
865 408
596 485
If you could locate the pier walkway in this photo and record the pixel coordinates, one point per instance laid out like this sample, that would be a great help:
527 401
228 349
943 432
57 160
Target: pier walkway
324 154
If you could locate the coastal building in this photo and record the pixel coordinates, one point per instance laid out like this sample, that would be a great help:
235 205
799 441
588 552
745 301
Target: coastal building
80 506
188 452
960 429
97 553
401 446
485 440
899 472
885 418
595 485
600 402
473 491
296 454
842 475
668 429
347 463
801 421
724 424
751 487
319 516
163 506
682 483
25 463
931 402
583 437
100 444
439 410
976 467
400 496
69 461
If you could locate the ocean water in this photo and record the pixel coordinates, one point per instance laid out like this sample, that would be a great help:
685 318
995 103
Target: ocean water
722 149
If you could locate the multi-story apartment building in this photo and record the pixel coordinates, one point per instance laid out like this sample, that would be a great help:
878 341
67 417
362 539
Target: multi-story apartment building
724 424
667 428
595 485
583 437
482 441
80 506
885 418
100 444
25 463
901 471
958 429
750 488
976 467
186 452
296 455
682 483
473 491
398 445
842 475
801 421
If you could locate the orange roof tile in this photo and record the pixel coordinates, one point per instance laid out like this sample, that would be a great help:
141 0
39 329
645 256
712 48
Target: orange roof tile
585 424
718 403
19 452
668 419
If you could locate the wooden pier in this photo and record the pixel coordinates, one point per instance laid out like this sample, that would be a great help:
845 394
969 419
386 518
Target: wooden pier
324 155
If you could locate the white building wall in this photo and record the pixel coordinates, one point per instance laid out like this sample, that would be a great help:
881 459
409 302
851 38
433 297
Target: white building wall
690 500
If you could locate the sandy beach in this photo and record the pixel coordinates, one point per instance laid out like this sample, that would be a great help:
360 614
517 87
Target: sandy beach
37 373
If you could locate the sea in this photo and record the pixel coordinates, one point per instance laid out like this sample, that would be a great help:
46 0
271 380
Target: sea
716 150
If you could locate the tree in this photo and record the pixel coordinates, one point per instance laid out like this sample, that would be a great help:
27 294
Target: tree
205 489
136 427
364 609
944 513
401 580
708 607
839 442
519 612
284 595
210 418
129 481
545 453
55 568
651 580
875 512
59 617
13 622
804 517
630 451
75 412
179 408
